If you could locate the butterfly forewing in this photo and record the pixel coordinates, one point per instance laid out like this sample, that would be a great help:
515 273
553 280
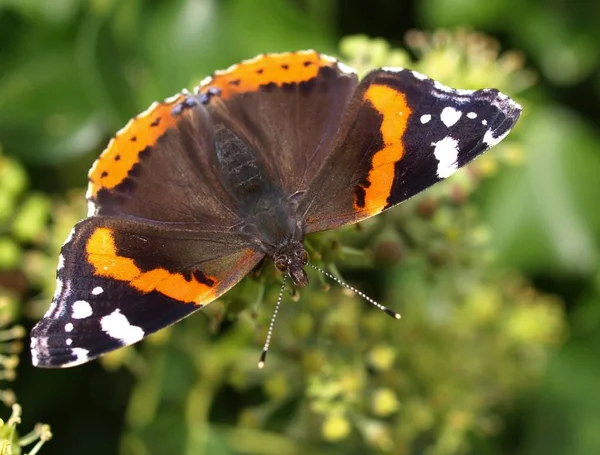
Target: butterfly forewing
402 133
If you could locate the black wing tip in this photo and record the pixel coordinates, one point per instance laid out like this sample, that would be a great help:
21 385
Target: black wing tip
507 105
503 102
61 351
44 356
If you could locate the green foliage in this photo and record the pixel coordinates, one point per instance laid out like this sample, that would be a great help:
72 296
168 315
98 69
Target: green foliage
23 220
12 444
563 38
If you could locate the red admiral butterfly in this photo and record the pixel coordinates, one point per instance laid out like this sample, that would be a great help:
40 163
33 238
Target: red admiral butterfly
192 193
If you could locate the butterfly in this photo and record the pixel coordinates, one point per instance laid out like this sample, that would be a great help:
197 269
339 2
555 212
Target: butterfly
195 191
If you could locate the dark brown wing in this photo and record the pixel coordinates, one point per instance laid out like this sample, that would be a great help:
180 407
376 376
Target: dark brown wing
402 133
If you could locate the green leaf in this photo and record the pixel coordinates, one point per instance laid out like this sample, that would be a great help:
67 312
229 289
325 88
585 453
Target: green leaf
544 214
569 405
46 115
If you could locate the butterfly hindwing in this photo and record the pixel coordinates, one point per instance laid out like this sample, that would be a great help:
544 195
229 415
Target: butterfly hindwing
402 133
119 280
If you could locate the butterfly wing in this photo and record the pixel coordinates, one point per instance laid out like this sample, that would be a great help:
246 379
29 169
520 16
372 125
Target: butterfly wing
119 280
159 243
287 107
402 133
162 166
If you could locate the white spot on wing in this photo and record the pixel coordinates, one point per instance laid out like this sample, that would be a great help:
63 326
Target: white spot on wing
456 91
173 98
505 104
472 115
57 293
97 290
345 68
229 70
393 69
35 361
59 288
441 87
54 304
68 327
207 80
446 152
117 326
91 208
419 76
69 237
425 118
490 140
254 59
81 309
450 116
145 113
484 122
81 356
69 341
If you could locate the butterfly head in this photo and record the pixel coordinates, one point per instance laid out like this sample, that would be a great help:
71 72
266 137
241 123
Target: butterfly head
291 259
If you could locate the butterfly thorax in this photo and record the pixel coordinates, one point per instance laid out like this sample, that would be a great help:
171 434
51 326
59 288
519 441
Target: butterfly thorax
279 234
270 216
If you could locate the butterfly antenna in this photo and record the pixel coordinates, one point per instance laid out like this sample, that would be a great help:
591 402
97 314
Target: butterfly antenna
263 356
356 291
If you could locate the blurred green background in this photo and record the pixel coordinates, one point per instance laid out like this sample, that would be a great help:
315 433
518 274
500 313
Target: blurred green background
495 271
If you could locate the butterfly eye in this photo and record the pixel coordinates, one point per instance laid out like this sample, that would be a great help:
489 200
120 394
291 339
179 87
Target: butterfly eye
304 257
281 264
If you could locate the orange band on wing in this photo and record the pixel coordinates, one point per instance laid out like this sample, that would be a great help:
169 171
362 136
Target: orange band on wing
264 69
391 104
102 255
122 152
